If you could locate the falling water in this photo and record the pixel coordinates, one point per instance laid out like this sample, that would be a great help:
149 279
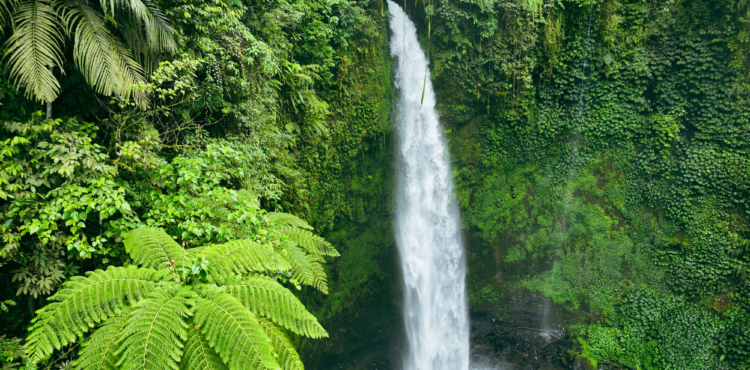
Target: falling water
427 220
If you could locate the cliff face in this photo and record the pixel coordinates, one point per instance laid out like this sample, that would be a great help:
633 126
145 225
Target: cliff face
600 153
600 156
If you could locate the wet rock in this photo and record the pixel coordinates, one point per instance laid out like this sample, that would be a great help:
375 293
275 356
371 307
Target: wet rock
582 363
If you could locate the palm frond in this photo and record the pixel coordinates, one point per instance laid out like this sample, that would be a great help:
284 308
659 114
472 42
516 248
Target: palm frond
99 351
287 355
264 296
312 243
155 331
307 269
146 30
241 257
198 354
84 302
159 32
155 249
106 63
234 332
288 219
34 49
6 10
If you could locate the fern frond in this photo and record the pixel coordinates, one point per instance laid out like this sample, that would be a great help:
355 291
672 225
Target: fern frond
106 63
34 48
287 355
154 248
288 219
155 331
312 243
241 257
198 354
84 302
191 254
234 332
264 296
99 351
307 269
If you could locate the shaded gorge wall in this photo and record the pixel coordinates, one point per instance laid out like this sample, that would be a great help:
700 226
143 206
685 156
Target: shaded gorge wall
600 159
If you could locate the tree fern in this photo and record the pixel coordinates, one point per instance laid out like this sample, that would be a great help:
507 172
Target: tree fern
155 249
154 318
287 355
198 354
266 297
307 269
84 302
288 219
241 257
234 332
312 243
155 331
99 350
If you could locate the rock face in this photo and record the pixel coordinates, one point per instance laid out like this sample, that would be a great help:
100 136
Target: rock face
526 332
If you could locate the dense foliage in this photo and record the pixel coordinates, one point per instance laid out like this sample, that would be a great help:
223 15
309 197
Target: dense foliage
238 111
601 158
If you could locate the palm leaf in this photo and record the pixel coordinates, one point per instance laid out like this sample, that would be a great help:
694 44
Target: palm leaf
198 354
154 248
241 257
34 48
6 8
159 32
99 351
287 355
234 332
84 302
264 296
154 334
104 61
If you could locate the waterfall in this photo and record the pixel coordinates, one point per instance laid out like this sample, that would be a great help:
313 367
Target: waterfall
427 220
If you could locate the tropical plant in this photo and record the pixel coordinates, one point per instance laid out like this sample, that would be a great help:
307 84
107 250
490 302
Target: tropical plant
200 308
111 63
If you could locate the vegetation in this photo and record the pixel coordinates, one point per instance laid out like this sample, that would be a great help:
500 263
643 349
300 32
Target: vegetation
199 119
202 307
600 157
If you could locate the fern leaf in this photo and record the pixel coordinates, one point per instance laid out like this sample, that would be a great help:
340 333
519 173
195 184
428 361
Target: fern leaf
191 254
264 296
99 351
106 63
84 302
155 331
241 257
234 332
288 219
286 354
312 243
198 354
154 248
307 269
34 48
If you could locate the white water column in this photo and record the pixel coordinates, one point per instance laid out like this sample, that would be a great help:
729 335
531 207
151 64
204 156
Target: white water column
427 220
